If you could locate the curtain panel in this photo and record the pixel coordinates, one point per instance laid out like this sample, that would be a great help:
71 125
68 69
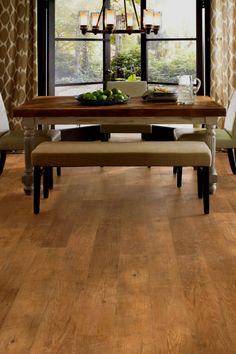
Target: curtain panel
223 49
17 54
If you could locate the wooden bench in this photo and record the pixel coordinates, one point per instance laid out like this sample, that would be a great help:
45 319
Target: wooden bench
158 153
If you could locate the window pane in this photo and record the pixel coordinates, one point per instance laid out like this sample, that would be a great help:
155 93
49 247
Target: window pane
67 17
125 56
167 60
78 62
76 90
178 17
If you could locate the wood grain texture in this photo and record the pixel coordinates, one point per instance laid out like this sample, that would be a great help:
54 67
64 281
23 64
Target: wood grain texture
65 106
124 264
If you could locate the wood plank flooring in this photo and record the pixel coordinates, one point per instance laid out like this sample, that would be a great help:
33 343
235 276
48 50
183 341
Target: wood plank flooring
119 261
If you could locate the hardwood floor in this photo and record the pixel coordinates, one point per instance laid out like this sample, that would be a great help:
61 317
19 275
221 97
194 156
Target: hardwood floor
118 261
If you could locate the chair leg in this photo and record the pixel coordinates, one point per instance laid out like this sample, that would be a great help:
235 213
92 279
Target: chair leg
146 136
37 180
174 170
199 182
179 176
205 187
46 182
58 171
105 136
232 159
3 155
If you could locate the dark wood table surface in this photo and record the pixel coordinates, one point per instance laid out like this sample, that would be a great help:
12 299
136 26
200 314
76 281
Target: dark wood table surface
62 106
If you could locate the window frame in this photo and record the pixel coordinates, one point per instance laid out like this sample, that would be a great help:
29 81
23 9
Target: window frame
46 48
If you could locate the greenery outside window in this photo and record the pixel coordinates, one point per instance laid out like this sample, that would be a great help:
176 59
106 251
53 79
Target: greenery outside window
173 51
74 63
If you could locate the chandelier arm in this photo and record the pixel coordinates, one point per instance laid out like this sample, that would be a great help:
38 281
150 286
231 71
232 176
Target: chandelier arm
136 14
126 23
100 13
116 31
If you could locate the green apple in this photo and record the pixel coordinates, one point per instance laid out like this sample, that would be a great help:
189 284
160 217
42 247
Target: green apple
102 98
93 97
98 92
108 93
116 91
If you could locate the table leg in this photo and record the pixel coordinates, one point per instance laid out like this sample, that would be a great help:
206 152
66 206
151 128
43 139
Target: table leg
27 178
211 142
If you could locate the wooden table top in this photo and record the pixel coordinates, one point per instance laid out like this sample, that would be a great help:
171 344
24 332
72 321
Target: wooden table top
62 106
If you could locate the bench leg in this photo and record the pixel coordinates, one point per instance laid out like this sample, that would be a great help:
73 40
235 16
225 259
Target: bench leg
174 170
50 178
179 176
37 180
205 187
46 182
3 155
199 182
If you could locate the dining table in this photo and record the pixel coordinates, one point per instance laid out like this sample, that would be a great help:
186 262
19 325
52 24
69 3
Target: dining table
53 110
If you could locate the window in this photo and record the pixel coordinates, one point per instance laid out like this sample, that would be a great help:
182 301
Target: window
173 51
78 59
74 63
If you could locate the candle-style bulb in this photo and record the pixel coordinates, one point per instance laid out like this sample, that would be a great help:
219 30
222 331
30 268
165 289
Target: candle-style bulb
83 21
148 20
110 20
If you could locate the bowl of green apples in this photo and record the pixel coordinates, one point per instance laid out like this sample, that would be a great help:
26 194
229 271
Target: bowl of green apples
102 97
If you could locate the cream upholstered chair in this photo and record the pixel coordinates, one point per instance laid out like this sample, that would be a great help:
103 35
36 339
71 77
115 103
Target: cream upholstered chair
13 140
132 89
225 138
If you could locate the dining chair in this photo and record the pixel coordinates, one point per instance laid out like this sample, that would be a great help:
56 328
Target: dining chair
132 89
225 137
13 140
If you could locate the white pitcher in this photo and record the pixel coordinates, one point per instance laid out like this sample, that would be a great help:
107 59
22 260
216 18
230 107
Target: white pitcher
186 89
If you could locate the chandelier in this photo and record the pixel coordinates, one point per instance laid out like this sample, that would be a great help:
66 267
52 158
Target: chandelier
151 20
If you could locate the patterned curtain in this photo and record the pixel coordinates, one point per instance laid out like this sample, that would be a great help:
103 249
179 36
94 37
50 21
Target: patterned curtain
17 54
223 49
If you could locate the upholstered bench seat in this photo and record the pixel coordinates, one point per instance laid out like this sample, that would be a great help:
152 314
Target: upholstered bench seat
158 153
75 154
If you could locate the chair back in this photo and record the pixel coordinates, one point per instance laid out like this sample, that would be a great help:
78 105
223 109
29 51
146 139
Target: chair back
230 120
131 88
4 123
